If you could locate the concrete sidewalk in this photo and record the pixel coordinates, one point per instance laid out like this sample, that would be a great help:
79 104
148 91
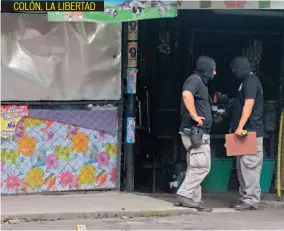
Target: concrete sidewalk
91 205
100 205
223 199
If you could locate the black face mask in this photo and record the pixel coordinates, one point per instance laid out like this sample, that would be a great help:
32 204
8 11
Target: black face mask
205 67
241 67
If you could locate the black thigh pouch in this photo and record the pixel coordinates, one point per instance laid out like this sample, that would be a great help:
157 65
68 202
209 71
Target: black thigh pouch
195 134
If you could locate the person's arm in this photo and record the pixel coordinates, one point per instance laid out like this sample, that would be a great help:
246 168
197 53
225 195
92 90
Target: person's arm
190 90
247 109
250 92
188 100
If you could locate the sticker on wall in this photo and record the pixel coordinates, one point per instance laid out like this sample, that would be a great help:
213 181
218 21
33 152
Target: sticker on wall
130 130
263 4
131 80
10 116
231 4
132 30
238 4
132 54
205 4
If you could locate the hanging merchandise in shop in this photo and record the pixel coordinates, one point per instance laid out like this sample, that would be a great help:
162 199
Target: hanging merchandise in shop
121 11
237 4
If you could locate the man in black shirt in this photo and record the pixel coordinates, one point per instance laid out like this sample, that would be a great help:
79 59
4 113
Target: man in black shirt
247 115
196 116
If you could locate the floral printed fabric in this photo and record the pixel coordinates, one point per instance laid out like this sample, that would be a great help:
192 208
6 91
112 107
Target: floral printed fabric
50 156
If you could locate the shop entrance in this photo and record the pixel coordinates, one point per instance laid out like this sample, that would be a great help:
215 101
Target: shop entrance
168 51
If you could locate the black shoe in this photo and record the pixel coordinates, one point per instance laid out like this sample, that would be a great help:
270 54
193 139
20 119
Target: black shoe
245 207
189 203
186 202
233 204
202 208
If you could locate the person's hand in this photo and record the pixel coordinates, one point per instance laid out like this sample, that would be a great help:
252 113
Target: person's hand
199 120
238 132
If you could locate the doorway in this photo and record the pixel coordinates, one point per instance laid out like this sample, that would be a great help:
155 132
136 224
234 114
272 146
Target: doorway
168 51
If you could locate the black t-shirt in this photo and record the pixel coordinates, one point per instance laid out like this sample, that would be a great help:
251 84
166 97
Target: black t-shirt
250 88
202 103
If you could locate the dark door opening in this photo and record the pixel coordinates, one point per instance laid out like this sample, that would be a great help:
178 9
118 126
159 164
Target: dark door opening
168 51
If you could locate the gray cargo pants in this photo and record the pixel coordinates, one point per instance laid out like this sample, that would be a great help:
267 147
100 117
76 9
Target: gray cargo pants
249 171
198 167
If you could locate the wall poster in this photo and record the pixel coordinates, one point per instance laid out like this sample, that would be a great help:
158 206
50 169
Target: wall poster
132 54
131 78
130 130
132 31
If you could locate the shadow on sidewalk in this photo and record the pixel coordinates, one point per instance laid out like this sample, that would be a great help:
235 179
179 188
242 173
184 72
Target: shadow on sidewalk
215 200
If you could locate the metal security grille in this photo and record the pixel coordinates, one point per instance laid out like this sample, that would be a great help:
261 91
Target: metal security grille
62 147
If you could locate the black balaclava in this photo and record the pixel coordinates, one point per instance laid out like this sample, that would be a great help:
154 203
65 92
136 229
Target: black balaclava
241 67
205 67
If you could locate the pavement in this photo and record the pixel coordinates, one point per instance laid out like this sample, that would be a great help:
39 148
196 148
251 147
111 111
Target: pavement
222 200
265 219
48 207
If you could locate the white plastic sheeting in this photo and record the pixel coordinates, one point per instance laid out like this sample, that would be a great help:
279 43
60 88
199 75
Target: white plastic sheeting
59 61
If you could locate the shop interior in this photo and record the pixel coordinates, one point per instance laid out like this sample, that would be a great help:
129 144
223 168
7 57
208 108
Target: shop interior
168 49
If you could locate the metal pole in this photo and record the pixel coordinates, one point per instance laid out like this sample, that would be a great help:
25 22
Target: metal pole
281 154
282 74
130 104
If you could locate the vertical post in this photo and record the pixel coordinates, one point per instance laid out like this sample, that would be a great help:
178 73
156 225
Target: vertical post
130 104
282 74
281 152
